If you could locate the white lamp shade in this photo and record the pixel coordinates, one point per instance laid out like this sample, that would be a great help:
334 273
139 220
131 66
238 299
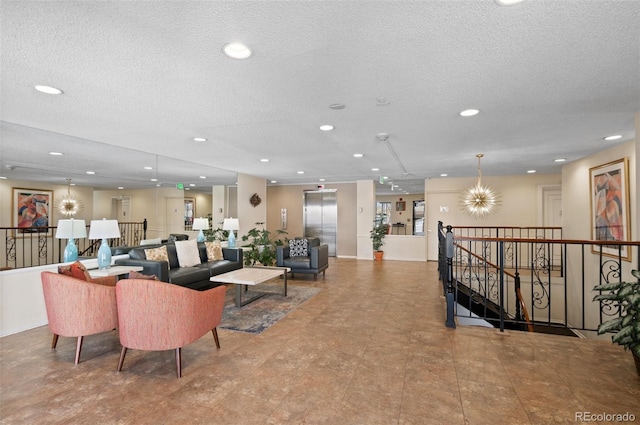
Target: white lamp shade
71 229
231 224
104 229
200 224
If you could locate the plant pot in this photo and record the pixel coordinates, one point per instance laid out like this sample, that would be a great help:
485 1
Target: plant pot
636 358
378 255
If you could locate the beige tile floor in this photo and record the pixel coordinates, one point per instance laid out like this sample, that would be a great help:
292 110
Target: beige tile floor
370 348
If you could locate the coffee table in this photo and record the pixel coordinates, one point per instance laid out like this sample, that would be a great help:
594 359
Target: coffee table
249 276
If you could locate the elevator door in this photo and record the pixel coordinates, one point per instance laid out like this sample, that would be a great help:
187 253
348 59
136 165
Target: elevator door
321 217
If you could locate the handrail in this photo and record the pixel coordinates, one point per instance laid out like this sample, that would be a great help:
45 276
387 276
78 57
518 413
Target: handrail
524 310
484 260
556 241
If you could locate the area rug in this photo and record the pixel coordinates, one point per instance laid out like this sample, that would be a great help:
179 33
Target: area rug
257 316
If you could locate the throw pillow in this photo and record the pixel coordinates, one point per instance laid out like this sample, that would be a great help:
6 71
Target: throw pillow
214 251
137 275
157 254
188 255
298 248
77 270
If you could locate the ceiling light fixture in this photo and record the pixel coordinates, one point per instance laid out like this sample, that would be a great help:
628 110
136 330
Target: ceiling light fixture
199 139
508 2
444 175
120 187
326 127
237 51
614 137
337 106
358 155
48 89
300 172
69 205
203 177
382 101
375 169
531 171
559 160
321 180
469 112
479 201
56 153
264 160
91 172
274 181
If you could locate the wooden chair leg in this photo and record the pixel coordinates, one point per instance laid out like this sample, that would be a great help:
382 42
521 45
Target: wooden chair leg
214 331
78 349
178 362
315 276
55 341
122 354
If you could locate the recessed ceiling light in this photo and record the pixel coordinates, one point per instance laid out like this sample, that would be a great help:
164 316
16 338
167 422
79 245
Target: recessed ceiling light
154 180
375 169
614 137
120 187
199 139
326 127
531 171
72 184
91 172
203 177
187 188
48 90
385 177
508 2
382 101
560 160
236 51
322 180
159 184
148 168
337 106
192 185
444 175
358 155
274 181
300 172
469 112
264 160
3 178
55 153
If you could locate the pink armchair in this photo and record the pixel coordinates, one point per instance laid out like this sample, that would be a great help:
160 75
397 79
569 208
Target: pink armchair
154 315
77 308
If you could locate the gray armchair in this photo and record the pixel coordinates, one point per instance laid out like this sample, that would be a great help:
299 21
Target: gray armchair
293 256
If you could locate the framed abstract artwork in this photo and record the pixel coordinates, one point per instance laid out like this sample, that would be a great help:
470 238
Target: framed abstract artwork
609 194
32 210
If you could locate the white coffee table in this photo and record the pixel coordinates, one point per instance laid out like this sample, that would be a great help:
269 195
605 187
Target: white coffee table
249 276
114 271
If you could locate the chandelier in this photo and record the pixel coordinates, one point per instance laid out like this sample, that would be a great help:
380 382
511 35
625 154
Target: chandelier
479 201
68 205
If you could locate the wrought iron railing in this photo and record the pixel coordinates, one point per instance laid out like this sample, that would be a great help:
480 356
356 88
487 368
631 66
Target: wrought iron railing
38 246
520 281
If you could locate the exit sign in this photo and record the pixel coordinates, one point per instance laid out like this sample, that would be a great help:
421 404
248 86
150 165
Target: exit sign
180 186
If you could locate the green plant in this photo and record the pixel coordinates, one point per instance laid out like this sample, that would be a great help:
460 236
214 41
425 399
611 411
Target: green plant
216 235
377 234
627 326
262 244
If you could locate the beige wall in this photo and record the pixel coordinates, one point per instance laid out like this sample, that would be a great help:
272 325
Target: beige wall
291 198
249 215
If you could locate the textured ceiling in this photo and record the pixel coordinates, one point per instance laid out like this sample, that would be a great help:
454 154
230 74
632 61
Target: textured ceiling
141 79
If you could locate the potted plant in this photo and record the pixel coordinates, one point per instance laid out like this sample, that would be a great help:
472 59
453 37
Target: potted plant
377 235
627 325
262 244
212 235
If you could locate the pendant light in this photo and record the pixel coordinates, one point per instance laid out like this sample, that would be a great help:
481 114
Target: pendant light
479 201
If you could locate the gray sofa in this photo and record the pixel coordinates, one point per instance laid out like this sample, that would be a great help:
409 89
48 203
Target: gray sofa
196 277
317 260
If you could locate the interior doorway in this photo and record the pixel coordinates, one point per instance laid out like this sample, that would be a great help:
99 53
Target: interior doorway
121 208
320 217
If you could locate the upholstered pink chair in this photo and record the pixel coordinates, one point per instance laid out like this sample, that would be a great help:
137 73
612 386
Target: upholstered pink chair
155 316
77 308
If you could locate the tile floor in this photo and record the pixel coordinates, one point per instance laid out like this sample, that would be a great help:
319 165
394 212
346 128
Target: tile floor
370 348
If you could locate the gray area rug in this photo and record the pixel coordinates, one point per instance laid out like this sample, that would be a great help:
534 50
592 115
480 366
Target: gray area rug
257 316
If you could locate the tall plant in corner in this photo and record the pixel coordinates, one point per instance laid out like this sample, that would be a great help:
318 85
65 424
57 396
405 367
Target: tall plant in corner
377 234
627 326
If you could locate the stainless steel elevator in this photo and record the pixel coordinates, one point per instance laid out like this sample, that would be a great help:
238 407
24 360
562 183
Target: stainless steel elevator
320 216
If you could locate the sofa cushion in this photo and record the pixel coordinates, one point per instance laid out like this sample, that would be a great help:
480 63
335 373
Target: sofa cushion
157 254
187 252
218 267
298 248
185 276
297 263
214 251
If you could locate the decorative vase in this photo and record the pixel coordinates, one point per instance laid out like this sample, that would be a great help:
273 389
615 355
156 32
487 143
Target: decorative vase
636 358
378 255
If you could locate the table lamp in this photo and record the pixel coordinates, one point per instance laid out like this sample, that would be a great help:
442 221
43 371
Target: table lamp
231 224
200 224
71 229
104 229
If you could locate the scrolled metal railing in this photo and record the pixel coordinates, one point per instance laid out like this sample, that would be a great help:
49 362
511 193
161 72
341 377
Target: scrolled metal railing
38 246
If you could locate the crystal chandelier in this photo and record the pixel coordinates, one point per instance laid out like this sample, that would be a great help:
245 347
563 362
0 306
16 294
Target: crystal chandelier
68 205
479 201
